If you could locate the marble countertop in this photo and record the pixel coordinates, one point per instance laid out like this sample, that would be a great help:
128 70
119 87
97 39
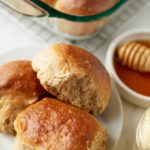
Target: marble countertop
13 34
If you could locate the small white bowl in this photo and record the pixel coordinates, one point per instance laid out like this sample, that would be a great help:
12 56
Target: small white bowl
126 92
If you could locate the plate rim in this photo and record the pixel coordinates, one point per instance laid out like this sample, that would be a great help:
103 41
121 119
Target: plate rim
122 114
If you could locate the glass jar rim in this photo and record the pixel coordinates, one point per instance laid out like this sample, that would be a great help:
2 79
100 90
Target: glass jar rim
52 12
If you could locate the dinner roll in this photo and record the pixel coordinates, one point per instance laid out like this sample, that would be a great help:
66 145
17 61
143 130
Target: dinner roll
19 88
52 125
74 76
81 7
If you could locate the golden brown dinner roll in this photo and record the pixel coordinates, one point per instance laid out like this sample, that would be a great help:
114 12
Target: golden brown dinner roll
53 125
74 75
81 7
19 88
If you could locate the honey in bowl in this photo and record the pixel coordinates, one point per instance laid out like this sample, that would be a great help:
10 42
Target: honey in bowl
130 71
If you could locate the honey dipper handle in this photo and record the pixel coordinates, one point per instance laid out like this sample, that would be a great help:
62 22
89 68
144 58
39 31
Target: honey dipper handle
135 55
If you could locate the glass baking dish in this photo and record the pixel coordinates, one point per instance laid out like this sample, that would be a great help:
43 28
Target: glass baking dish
69 26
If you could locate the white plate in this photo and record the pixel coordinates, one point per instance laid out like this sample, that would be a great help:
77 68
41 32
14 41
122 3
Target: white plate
112 117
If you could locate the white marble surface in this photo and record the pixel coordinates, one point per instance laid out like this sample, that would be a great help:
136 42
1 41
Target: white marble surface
12 35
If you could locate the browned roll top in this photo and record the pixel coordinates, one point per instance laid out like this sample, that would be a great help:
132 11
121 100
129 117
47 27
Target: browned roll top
19 88
50 124
18 77
81 7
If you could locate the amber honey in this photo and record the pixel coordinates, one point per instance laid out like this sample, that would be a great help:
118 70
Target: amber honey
135 80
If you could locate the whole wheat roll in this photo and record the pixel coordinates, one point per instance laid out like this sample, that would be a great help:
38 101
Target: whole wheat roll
74 76
53 125
19 88
80 8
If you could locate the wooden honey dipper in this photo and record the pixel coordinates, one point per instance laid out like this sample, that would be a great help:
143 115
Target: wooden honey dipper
135 56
